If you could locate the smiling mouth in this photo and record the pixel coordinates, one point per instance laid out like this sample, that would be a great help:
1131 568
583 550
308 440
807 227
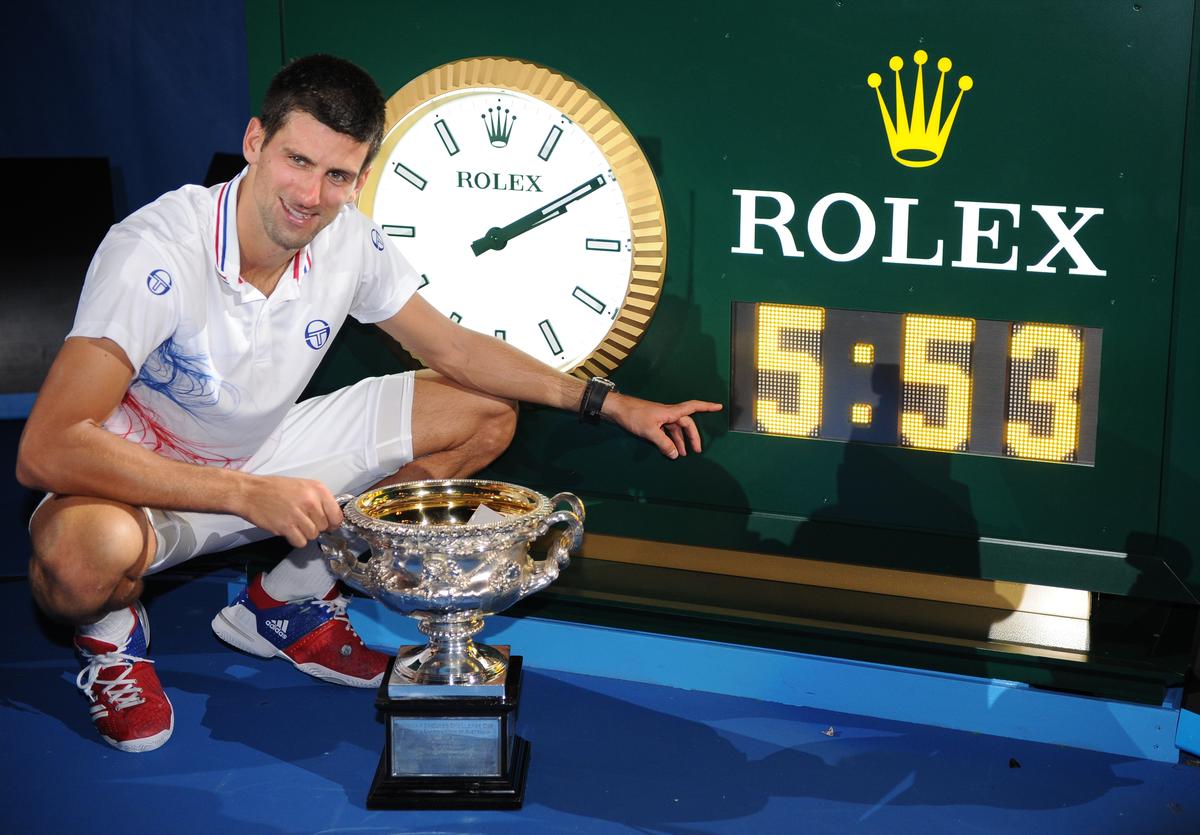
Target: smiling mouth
297 217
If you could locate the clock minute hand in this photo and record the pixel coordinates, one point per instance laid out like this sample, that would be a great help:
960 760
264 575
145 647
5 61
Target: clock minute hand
498 237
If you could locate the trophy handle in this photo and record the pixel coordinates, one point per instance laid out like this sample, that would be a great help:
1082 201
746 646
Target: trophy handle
335 544
567 541
572 500
570 539
559 556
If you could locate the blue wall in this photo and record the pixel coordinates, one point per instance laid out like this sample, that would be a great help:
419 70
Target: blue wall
157 87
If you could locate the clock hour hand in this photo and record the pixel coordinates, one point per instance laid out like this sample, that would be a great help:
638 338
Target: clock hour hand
498 236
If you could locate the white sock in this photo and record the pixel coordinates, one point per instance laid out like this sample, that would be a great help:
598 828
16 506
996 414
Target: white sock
113 628
302 573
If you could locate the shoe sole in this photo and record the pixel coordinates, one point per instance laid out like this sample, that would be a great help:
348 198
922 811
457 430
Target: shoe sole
237 626
149 743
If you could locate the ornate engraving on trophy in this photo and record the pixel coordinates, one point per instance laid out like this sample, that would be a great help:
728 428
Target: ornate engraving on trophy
449 553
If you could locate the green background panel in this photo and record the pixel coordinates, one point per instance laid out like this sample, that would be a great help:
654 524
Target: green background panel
1074 104
1179 532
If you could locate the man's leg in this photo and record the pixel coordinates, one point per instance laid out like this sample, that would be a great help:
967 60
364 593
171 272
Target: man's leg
89 555
456 432
88 559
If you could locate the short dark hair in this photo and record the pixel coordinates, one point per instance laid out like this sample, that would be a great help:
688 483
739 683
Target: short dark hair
335 92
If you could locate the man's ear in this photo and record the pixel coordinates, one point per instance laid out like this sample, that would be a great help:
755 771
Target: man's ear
359 183
252 142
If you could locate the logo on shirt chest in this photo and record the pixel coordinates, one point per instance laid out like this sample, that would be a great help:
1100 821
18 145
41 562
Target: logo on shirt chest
316 334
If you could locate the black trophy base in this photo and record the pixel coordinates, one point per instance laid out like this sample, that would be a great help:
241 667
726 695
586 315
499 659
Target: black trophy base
504 792
450 750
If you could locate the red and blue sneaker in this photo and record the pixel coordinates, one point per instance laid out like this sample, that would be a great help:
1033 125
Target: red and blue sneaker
314 634
129 707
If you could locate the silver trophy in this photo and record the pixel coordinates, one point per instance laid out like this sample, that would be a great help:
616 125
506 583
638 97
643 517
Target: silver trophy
449 553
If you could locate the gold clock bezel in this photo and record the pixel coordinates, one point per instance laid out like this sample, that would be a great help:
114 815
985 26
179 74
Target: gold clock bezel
643 200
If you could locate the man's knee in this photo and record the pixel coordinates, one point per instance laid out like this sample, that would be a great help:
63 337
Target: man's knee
498 425
88 556
448 418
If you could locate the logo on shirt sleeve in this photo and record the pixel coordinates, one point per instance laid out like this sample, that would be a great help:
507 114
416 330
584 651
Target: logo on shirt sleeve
159 282
316 334
377 239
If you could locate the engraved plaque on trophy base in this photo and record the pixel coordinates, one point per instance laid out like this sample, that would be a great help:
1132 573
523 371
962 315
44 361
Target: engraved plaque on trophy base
451 746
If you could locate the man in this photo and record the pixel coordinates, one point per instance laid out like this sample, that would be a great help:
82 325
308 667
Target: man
168 427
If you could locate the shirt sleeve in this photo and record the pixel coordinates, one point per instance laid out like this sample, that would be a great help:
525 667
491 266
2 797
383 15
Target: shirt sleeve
387 280
130 296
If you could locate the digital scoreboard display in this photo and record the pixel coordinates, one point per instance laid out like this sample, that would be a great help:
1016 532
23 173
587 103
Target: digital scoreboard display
954 384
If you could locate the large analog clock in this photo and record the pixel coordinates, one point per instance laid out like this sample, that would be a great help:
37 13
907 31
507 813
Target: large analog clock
528 208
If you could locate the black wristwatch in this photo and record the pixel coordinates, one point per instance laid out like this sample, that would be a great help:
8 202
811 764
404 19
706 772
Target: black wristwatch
597 389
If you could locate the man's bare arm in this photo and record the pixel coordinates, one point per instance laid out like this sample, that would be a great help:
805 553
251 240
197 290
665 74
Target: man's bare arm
493 366
65 449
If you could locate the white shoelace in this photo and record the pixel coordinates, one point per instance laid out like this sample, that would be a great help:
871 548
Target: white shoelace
122 691
336 607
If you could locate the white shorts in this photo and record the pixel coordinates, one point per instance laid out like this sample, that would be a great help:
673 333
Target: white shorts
348 440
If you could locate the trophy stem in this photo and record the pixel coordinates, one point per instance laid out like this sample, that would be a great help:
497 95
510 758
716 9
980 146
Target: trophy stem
451 656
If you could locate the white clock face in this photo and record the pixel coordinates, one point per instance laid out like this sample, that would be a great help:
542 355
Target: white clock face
514 218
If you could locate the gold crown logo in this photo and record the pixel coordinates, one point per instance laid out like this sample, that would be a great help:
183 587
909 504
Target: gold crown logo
918 141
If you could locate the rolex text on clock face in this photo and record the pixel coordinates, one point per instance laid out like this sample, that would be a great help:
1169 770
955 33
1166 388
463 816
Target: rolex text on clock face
514 218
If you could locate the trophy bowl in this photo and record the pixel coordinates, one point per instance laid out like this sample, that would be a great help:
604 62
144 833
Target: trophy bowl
432 550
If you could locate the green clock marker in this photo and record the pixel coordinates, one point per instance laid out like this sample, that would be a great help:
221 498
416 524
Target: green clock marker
550 336
411 176
588 299
602 245
446 136
550 143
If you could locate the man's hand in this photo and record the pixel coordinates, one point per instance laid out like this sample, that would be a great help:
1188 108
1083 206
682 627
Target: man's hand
668 427
295 508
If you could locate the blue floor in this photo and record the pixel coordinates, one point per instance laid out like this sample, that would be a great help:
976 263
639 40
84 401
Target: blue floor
260 747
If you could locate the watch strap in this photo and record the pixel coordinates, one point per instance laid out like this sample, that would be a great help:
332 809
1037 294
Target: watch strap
594 392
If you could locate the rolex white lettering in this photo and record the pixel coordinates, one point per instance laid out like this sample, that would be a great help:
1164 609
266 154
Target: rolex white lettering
866 227
1066 240
899 255
987 234
973 233
749 220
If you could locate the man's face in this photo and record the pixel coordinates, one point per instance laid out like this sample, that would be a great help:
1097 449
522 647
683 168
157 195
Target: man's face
302 178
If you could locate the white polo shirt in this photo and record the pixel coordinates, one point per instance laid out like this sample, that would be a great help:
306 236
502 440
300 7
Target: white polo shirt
219 364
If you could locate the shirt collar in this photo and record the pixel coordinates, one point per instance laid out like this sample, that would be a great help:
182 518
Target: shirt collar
226 253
